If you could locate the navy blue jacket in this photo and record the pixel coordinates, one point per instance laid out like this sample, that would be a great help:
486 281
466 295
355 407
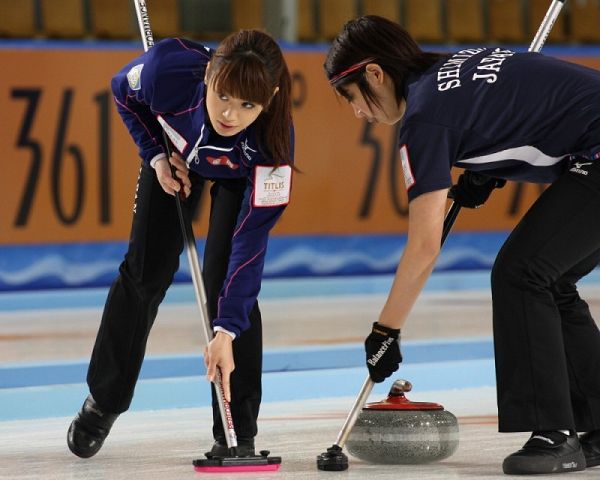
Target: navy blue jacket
164 88
517 116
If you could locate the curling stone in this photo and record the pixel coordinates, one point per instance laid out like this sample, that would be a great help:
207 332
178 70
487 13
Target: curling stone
398 431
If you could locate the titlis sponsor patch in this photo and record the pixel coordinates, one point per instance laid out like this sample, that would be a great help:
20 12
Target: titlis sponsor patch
272 185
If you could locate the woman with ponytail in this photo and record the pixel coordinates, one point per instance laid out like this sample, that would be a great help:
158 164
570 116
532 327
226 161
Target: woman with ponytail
227 114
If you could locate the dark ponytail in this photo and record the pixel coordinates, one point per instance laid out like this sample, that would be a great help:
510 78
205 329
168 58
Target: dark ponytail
250 65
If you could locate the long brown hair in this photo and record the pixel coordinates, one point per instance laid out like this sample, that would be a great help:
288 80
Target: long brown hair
249 64
374 39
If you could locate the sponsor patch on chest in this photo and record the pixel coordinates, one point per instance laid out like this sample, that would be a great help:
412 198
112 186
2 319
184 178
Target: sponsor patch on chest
272 186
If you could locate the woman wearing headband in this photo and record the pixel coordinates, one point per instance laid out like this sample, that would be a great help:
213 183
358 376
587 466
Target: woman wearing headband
500 115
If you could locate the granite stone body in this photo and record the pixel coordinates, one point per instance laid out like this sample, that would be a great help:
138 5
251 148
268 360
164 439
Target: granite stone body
403 436
398 431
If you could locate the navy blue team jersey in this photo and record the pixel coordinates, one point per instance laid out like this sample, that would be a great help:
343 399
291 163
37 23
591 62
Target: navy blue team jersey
164 89
516 116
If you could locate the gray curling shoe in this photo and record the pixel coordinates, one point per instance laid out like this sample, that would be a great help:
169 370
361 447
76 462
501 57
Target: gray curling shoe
89 429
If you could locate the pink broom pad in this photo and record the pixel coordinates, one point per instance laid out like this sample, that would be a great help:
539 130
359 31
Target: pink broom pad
254 463
246 468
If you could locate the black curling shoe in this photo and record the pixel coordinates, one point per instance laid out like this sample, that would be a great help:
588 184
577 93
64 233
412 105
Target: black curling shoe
89 429
245 448
590 444
546 452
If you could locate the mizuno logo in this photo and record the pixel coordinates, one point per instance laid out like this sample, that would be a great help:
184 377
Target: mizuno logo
577 168
246 150
579 165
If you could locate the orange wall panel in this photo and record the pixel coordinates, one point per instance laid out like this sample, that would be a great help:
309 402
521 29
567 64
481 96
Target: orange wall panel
70 167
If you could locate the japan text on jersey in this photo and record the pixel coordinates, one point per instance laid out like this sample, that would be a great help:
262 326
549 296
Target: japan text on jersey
519 116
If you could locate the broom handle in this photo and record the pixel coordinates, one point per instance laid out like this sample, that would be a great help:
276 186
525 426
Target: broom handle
546 26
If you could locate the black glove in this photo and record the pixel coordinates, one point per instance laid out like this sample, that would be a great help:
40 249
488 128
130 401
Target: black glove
383 352
473 189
